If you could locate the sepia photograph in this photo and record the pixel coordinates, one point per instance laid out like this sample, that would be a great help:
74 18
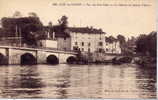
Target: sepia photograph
78 49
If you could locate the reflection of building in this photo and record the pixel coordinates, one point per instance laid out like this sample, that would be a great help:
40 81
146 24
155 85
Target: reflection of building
86 39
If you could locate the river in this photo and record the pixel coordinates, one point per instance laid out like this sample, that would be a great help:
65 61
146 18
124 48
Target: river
77 81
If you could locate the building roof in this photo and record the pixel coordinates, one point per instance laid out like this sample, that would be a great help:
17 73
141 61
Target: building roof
60 31
85 30
64 32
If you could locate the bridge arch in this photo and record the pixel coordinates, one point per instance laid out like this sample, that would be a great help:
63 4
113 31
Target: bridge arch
28 59
71 60
52 59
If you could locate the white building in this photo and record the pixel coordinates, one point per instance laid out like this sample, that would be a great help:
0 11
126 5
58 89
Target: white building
113 47
48 41
87 39
92 40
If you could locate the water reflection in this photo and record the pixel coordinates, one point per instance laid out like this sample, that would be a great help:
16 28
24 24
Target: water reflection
77 81
63 83
20 81
146 82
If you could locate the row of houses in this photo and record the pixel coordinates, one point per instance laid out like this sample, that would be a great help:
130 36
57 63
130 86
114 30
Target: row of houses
84 39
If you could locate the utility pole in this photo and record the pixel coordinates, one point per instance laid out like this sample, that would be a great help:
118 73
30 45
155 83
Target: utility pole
16 31
16 35
48 34
20 36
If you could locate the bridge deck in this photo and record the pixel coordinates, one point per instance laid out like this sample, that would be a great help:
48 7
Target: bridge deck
40 49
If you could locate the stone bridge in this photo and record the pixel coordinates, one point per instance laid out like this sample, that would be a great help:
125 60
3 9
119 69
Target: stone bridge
23 55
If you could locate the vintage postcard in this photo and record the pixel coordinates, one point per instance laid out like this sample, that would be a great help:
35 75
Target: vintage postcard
78 49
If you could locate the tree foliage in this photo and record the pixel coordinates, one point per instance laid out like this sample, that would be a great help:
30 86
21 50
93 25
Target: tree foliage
63 21
63 26
23 25
17 14
121 39
32 14
110 39
146 44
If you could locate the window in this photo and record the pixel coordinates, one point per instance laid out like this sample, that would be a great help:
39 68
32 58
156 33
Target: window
89 44
82 43
75 43
89 50
75 48
82 49
100 50
100 43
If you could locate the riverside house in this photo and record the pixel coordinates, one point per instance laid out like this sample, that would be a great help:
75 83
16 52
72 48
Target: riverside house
87 39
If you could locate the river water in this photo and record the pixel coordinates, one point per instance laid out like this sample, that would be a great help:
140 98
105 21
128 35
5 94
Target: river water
77 81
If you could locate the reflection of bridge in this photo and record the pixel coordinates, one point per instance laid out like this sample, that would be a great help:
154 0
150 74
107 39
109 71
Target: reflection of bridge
23 55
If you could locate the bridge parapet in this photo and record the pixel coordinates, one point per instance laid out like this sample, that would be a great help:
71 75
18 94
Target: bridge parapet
15 54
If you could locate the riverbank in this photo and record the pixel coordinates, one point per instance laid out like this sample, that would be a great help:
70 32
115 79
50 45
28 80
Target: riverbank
145 61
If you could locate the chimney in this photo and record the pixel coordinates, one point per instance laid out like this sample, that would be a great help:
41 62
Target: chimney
53 36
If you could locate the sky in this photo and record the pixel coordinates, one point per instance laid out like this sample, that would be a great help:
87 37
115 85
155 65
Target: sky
114 20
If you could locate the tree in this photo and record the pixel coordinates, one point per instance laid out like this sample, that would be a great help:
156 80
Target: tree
146 44
23 25
121 39
32 14
17 14
63 21
50 24
110 39
123 45
63 26
141 44
152 44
